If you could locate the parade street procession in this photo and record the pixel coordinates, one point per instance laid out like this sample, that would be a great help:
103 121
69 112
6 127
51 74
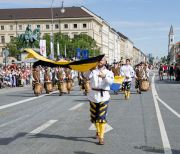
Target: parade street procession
73 83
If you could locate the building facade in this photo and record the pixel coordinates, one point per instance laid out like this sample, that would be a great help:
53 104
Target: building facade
74 21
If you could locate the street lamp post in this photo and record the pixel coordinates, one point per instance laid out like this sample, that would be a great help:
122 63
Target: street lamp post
62 10
52 33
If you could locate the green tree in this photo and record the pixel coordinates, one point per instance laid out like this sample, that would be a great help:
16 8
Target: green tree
84 41
151 60
81 41
14 47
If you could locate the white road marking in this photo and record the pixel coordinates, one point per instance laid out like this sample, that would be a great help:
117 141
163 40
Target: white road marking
43 127
168 107
164 137
76 106
107 128
23 101
13 121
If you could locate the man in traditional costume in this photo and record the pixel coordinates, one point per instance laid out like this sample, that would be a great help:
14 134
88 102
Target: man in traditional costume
62 86
116 69
100 81
35 76
128 72
139 76
47 80
69 79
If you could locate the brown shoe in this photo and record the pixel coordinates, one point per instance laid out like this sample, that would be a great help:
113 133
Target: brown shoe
96 136
101 141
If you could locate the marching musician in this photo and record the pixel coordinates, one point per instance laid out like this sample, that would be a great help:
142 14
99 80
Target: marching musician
61 75
100 81
68 79
139 76
47 80
128 72
35 76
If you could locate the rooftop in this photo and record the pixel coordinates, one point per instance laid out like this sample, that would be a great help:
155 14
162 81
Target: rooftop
42 13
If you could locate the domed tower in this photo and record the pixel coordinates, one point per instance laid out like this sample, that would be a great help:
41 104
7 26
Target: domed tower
171 39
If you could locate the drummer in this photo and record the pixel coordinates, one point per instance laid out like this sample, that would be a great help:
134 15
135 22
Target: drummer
61 75
139 76
35 76
47 76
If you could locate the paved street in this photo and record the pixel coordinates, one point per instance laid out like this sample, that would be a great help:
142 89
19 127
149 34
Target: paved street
53 124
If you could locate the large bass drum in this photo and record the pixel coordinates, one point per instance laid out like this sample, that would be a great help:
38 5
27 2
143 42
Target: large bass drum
144 85
48 87
37 88
62 86
69 86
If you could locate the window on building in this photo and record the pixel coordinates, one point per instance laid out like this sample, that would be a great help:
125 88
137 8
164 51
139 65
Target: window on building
38 26
65 26
47 26
75 35
75 25
11 27
2 39
11 37
2 27
56 26
20 27
84 25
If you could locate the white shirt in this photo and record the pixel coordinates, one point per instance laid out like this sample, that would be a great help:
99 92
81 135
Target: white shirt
99 83
127 71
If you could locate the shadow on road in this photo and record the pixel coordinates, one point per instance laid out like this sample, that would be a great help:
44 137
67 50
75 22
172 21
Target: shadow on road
6 141
83 139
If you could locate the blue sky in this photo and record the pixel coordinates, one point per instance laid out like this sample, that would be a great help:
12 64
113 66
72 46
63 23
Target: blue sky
145 22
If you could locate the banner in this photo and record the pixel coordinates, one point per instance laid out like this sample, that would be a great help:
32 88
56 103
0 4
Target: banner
85 54
78 53
42 45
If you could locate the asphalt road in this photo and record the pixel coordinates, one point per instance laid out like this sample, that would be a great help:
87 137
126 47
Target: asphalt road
53 124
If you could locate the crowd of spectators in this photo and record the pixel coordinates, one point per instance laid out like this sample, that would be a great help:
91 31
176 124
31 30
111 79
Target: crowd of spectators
172 72
15 76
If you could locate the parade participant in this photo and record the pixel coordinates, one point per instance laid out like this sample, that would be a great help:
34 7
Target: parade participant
47 81
62 85
35 76
100 81
171 72
161 70
146 69
128 72
37 87
68 79
116 69
85 85
139 76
